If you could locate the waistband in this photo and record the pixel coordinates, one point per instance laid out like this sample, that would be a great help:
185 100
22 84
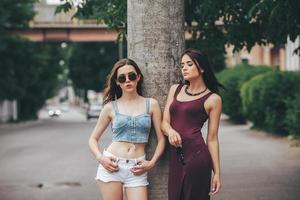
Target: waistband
124 160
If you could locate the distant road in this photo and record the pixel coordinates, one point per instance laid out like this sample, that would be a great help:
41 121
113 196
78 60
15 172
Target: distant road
48 159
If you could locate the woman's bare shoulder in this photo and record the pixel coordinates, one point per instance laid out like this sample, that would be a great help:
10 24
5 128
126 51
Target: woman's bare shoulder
107 109
153 102
173 87
214 99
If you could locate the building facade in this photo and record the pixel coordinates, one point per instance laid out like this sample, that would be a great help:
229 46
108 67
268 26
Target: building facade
283 56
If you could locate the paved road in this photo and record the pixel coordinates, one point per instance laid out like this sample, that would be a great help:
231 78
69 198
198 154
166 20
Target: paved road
257 166
49 159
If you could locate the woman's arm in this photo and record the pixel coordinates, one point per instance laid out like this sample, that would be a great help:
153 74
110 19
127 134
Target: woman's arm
161 140
102 123
214 107
173 136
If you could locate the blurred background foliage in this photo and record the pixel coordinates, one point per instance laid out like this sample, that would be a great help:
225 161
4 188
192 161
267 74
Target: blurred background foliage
32 72
90 63
28 71
244 23
265 96
215 24
268 100
233 79
15 14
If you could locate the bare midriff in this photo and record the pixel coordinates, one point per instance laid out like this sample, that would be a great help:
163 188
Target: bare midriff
126 149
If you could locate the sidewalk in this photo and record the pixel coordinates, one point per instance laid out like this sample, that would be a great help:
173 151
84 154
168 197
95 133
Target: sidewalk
256 165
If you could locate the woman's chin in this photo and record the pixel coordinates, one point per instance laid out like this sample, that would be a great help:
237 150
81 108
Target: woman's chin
129 90
186 78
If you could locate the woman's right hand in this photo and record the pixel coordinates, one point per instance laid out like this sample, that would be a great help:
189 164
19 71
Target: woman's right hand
174 138
108 162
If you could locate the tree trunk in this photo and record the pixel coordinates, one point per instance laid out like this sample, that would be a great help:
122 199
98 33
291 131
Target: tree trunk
155 42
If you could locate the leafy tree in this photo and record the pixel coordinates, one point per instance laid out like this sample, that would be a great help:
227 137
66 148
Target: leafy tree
244 23
90 63
44 67
112 13
15 14
217 23
28 71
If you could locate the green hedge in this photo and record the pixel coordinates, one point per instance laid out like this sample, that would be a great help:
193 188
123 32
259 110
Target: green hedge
251 100
267 98
233 79
292 119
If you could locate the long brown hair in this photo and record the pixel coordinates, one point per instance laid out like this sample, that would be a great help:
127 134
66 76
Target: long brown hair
112 91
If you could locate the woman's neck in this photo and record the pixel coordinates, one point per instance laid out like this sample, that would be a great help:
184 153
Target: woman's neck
129 96
197 85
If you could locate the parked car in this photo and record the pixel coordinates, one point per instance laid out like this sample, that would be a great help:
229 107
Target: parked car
65 107
54 111
93 110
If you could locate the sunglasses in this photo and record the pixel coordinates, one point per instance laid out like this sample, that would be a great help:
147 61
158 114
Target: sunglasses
132 76
180 155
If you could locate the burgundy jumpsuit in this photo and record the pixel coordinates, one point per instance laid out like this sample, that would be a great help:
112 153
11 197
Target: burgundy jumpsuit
192 180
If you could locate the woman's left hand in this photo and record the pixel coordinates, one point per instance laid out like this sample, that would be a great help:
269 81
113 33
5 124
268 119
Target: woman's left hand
141 167
215 185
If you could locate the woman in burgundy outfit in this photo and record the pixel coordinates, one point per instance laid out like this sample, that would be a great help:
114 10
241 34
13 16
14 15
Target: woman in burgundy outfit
188 107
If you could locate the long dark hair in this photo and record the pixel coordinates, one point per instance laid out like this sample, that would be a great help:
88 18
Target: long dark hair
201 60
112 91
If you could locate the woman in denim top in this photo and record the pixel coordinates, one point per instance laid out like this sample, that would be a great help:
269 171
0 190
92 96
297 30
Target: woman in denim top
123 163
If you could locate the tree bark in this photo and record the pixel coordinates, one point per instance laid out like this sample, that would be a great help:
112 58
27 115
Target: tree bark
155 42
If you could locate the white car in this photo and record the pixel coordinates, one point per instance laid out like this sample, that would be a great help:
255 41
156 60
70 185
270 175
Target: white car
54 111
93 111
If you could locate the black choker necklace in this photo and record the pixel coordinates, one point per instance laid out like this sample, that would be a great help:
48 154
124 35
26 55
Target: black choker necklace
193 94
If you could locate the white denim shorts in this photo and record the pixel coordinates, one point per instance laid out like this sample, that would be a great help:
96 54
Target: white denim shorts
124 175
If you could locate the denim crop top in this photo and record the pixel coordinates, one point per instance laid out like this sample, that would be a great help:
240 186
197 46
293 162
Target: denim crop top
134 129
